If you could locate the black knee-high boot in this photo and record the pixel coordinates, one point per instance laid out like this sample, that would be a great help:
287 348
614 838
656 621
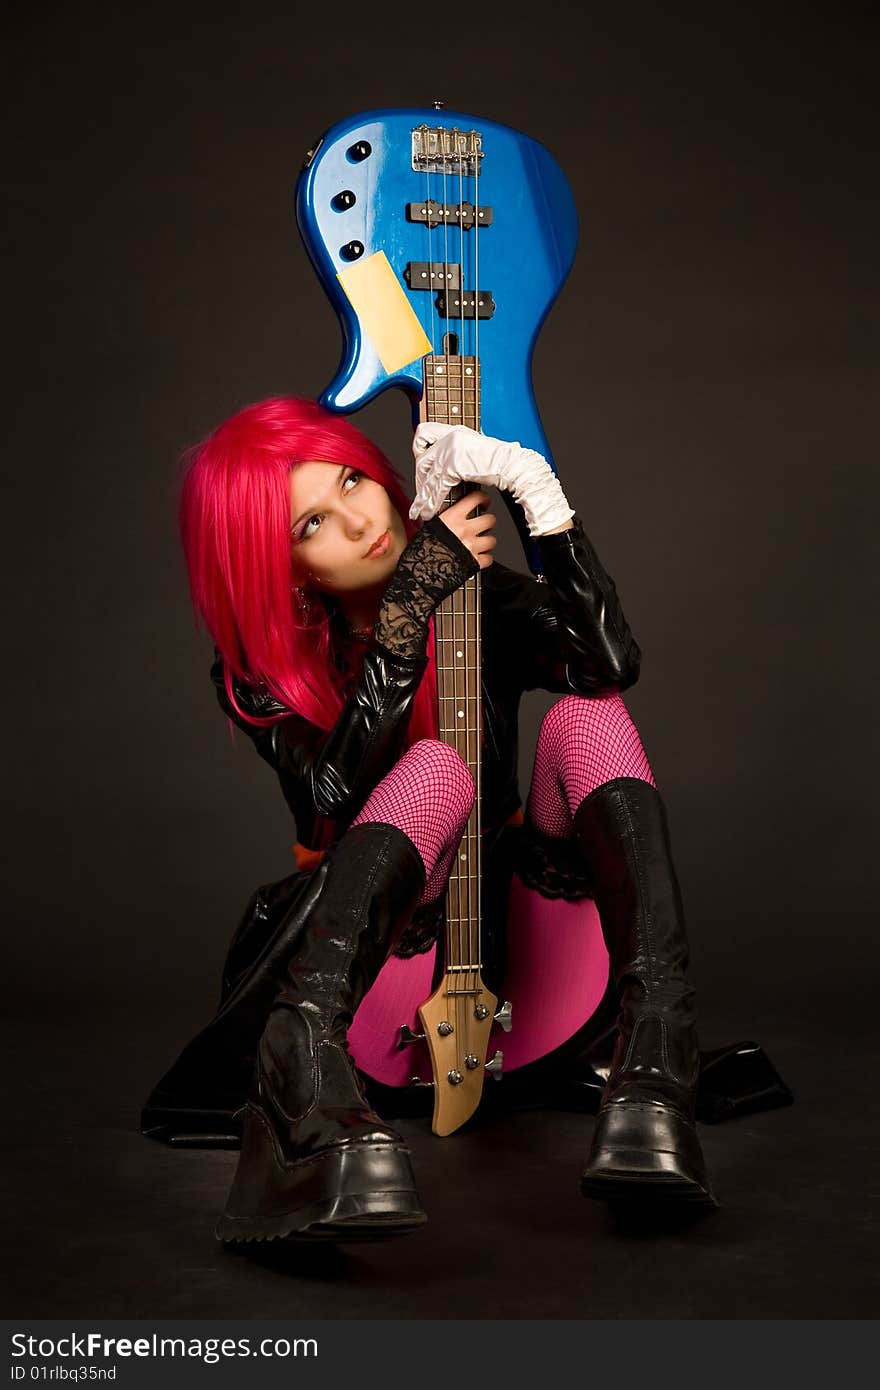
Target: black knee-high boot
198 1101
645 1144
315 1160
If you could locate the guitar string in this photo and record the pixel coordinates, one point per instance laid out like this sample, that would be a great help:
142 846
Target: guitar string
476 288
466 959
474 884
477 919
474 846
470 613
445 220
462 349
460 612
464 1039
458 608
454 894
448 625
474 918
477 927
462 278
466 589
473 756
468 707
479 613
428 256
462 639
457 896
455 957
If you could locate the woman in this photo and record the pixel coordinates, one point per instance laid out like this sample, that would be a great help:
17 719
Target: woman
309 570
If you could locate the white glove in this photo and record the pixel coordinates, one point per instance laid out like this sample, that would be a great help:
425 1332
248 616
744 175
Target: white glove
450 454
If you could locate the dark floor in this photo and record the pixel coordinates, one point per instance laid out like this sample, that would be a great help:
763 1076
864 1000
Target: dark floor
103 1222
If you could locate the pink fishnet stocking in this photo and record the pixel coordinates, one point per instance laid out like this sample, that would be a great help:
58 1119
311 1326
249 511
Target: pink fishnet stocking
428 794
583 743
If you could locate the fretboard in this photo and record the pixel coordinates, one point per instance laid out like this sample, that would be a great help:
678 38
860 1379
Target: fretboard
452 395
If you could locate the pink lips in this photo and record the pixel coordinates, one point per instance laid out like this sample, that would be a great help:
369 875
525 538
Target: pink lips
379 547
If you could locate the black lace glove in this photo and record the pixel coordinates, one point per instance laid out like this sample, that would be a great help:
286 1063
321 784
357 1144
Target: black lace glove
433 565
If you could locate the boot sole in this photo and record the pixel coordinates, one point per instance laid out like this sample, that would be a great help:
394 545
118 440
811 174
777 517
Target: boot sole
374 1216
337 1197
639 1192
626 1183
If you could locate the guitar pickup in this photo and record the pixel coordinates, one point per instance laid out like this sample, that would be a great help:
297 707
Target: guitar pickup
449 214
466 304
431 275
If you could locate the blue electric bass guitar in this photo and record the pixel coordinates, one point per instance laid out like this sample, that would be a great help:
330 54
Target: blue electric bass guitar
442 240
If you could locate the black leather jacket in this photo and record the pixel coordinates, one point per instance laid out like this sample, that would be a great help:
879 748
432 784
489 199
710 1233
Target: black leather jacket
565 633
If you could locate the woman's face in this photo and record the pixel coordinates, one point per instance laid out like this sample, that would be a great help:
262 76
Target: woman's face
337 516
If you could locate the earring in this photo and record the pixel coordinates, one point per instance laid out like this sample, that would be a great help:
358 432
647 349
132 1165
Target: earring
303 606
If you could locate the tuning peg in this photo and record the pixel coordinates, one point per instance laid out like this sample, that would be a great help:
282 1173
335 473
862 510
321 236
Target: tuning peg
417 1084
496 1066
407 1036
503 1016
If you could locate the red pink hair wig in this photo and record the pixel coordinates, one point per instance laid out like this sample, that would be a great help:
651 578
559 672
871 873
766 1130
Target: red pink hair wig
234 514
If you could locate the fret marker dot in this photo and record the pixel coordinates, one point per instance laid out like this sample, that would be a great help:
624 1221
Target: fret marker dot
459 653
455 410
461 714
462 856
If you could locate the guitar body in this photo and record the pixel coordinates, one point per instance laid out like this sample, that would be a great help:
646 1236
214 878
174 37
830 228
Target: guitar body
418 261
524 255
556 975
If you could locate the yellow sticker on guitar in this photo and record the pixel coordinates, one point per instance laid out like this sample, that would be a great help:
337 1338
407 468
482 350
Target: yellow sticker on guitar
385 313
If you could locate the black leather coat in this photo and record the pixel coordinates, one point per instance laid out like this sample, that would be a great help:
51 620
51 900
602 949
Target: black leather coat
565 633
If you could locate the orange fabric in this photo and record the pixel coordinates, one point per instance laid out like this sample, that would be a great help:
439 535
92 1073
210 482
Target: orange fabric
307 859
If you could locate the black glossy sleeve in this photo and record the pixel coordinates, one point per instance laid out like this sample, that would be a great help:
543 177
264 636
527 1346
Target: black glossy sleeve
581 639
331 773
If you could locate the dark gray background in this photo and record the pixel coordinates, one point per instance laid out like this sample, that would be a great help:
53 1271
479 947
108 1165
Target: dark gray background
705 380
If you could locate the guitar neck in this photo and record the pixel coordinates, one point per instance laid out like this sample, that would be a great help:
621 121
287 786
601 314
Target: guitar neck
459 708
452 396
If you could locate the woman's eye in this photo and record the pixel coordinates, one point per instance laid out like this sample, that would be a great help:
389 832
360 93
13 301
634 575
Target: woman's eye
314 522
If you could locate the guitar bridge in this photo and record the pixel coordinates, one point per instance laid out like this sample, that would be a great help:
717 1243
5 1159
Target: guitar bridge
439 150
